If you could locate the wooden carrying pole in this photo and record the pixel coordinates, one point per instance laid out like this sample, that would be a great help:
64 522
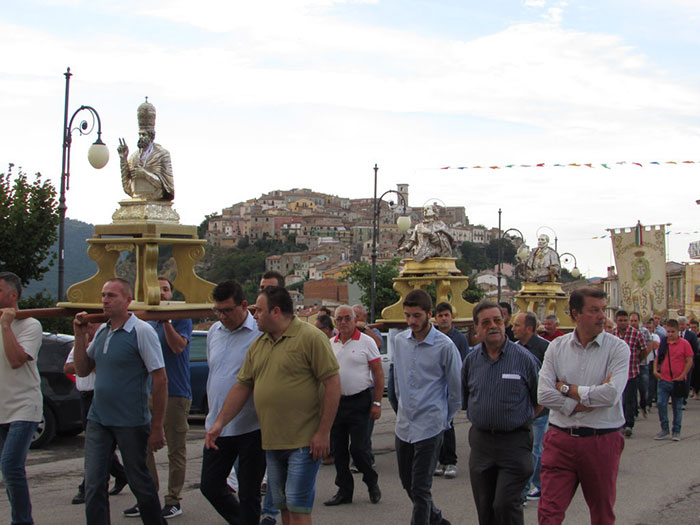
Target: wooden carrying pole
99 317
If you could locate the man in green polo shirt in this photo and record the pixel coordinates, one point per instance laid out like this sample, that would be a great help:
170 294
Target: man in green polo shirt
293 375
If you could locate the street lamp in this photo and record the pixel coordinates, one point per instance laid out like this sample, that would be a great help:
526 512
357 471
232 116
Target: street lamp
98 156
522 251
564 258
403 222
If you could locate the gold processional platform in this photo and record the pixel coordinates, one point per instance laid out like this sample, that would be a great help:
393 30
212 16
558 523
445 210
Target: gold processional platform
544 299
143 237
449 285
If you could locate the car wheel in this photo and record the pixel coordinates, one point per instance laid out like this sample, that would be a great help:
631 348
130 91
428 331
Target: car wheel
45 431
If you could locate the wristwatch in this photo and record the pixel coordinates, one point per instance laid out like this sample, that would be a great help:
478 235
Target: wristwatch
376 403
564 389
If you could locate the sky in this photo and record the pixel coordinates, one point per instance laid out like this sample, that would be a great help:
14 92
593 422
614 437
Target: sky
279 94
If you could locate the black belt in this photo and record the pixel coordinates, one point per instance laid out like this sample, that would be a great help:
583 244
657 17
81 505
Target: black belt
586 431
359 394
495 432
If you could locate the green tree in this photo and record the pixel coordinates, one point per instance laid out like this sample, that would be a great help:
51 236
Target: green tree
474 257
61 325
508 254
360 273
28 222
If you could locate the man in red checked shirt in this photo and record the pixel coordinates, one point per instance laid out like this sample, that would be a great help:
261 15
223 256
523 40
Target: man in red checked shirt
638 352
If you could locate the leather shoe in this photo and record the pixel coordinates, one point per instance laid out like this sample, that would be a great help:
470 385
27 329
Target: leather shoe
338 499
375 494
119 484
79 498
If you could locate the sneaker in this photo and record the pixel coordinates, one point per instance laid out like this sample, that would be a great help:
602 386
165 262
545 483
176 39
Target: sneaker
450 471
676 436
661 435
268 520
170 511
627 431
439 470
534 494
132 512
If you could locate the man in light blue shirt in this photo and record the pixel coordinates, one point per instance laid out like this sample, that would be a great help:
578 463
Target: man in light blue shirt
427 382
228 341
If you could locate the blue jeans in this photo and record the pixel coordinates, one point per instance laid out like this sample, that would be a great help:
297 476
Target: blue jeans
663 393
643 385
268 508
15 439
539 427
291 477
100 442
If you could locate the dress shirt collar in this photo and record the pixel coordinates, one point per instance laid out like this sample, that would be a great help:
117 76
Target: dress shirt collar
429 338
598 340
248 323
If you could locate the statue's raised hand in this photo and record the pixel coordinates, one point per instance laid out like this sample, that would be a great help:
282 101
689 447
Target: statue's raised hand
123 150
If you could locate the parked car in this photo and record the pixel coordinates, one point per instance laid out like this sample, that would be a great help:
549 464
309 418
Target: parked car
199 372
61 398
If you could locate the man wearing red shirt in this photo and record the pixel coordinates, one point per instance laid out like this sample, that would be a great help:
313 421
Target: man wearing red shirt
551 330
672 364
638 352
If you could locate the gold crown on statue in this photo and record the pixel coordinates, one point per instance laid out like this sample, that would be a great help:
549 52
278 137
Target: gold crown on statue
146 115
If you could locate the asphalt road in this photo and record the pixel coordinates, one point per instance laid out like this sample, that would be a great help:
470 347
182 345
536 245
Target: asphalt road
658 483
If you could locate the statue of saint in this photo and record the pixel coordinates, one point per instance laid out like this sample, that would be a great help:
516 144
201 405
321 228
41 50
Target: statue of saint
429 238
542 265
148 174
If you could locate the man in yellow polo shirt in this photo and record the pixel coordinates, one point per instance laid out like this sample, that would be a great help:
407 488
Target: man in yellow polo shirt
285 370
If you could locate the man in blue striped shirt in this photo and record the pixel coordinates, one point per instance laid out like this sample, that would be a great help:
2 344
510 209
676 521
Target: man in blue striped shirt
427 383
499 382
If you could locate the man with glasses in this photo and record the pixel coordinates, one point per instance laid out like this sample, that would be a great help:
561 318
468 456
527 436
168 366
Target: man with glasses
228 342
360 368
426 374
499 390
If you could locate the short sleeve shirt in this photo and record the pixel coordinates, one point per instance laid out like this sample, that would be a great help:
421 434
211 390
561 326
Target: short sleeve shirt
354 357
679 351
287 377
20 388
124 358
177 366
83 384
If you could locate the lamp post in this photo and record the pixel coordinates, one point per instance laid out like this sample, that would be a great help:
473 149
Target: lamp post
501 235
98 156
403 222
564 258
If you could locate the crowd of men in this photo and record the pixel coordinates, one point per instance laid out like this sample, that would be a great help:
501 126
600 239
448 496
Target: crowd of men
549 411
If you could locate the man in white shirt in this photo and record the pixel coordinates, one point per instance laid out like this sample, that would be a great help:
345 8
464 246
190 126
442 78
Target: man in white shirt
20 392
581 381
360 368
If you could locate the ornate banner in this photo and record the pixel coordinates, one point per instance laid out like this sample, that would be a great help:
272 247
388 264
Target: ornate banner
692 291
640 258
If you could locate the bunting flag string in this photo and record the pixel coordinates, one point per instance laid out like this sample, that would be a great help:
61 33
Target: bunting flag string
605 165
668 232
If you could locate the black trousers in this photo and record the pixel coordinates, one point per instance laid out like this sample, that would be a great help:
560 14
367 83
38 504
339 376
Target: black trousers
349 437
417 462
216 466
499 467
116 469
448 451
629 401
